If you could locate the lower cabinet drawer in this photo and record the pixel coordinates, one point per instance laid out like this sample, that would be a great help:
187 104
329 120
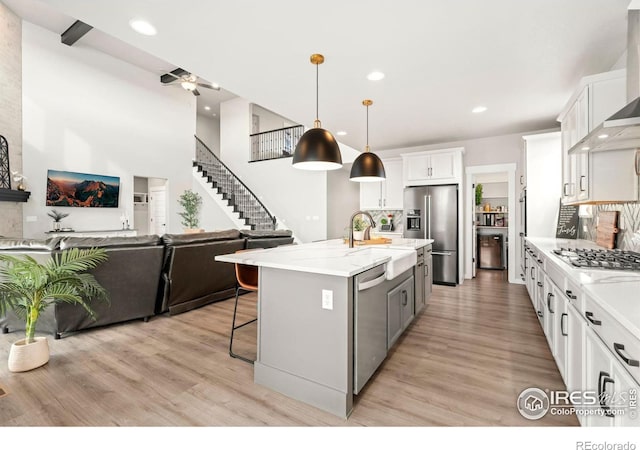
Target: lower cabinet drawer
620 342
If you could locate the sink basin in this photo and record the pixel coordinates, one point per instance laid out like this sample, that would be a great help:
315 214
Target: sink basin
401 259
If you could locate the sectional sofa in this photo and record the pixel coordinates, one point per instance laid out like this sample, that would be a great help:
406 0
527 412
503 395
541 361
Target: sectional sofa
146 275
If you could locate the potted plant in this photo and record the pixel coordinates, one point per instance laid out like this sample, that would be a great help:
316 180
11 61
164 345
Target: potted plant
190 202
28 287
478 194
57 217
359 225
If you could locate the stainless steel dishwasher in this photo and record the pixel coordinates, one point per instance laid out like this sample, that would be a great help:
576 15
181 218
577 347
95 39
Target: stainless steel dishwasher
370 324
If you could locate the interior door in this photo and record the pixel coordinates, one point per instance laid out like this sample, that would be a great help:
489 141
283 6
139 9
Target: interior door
158 210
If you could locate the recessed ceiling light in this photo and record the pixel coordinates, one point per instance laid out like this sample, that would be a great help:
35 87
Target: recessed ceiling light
603 136
375 76
479 109
207 108
585 148
341 133
143 27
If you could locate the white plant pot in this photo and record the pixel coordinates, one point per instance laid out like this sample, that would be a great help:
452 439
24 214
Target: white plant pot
358 235
23 356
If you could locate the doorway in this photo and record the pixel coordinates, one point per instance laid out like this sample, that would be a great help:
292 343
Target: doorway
150 205
493 229
158 206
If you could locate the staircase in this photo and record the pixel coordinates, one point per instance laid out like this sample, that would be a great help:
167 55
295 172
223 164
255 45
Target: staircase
237 195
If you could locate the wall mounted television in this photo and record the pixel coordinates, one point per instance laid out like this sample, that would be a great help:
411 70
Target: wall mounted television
82 189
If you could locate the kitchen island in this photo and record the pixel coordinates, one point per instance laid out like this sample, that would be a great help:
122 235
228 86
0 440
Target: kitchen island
327 315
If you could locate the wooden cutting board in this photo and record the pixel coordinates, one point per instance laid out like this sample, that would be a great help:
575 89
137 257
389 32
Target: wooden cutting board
607 229
379 241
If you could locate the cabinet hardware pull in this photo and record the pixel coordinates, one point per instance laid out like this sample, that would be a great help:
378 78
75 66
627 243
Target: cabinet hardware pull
631 362
562 317
564 189
570 294
539 283
589 316
540 314
539 261
521 179
603 379
582 177
532 269
404 298
549 295
637 162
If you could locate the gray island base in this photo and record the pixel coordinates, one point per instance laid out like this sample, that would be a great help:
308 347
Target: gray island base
327 315
305 351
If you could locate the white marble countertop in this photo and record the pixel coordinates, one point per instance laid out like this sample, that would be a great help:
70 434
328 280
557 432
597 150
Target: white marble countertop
332 257
616 291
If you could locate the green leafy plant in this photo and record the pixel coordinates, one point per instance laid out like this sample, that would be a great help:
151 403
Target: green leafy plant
478 194
190 202
28 287
359 224
57 216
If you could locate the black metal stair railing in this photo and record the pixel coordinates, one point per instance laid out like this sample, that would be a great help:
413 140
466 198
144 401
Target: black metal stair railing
275 144
232 189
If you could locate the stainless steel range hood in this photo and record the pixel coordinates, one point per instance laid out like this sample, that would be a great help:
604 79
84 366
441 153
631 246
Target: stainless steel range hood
622 130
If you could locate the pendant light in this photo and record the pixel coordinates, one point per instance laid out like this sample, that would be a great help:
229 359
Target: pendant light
317 149
367 167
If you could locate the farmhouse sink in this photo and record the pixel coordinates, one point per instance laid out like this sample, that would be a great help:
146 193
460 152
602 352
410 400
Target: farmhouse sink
401 259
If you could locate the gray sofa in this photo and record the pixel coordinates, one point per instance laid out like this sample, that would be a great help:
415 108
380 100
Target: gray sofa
130 275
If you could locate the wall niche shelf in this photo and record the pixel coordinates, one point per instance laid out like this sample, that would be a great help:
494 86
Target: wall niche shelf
14 195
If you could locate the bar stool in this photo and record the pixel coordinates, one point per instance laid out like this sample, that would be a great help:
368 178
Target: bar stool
247 277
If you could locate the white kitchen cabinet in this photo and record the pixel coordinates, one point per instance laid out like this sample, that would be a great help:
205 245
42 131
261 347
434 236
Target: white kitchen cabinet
575 328
599 378
387 194
560 323
432 167
584 175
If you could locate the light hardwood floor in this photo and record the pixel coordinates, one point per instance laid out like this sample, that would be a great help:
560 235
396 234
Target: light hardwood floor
463 361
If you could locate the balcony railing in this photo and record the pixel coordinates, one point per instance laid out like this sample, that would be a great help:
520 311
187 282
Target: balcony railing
275 144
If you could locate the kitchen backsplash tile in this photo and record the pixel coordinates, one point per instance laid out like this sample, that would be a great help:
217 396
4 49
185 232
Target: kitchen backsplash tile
628 223
398 225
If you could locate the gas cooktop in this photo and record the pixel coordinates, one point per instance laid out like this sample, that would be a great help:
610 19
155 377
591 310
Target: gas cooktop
586 258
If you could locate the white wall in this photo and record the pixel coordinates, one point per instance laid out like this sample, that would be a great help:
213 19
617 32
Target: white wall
208 131
212 217
343 199
270 120
298 198
85 111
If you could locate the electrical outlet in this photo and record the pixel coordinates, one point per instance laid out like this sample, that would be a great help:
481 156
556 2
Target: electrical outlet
327 299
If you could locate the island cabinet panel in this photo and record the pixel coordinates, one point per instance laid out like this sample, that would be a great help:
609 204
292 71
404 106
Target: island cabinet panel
305 350
400 309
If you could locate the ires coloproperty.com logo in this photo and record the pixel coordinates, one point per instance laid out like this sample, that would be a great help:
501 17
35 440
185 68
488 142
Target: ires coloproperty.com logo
534 403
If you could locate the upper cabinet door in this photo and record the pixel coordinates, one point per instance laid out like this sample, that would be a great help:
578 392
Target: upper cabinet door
418 168
370 197
393 191
442 165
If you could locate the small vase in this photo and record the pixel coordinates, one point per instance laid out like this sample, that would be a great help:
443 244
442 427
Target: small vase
24 357
56 226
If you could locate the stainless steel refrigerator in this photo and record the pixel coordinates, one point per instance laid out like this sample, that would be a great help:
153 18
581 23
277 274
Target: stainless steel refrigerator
431 212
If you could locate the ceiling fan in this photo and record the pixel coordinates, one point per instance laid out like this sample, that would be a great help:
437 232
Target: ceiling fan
188 81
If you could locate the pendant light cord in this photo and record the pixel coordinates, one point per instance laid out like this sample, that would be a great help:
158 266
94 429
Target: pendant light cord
317 88
367 127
